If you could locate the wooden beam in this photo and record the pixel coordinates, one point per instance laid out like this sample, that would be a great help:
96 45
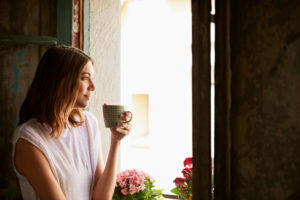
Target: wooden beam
27 40
201 99
222 102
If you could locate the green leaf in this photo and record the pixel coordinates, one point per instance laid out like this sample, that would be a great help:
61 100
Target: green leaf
176 191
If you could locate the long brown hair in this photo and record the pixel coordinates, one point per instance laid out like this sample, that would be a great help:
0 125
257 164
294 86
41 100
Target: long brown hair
53 92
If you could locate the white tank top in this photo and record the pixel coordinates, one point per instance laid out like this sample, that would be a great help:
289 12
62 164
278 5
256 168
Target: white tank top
72 157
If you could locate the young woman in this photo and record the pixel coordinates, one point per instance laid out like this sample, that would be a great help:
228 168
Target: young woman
56 147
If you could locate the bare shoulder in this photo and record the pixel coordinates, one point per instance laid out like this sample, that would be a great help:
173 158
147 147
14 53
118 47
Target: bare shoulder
28 157
32 163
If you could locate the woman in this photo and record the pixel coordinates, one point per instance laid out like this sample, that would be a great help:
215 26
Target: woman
56 148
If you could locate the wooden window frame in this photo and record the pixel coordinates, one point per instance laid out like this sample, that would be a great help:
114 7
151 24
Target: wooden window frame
63 29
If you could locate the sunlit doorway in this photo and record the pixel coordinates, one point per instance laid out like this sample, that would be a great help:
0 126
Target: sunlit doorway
156 82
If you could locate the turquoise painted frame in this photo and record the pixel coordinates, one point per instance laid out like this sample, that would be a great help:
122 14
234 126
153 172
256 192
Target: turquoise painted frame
64 10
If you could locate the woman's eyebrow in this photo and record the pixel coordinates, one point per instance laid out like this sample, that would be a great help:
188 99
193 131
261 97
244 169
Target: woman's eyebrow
84 73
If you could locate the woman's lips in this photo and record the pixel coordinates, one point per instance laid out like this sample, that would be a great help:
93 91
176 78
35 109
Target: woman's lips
87 96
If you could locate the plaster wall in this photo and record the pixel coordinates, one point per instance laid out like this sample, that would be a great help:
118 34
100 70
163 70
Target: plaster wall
105 36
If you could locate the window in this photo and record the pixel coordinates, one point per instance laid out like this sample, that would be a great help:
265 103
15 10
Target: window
156 77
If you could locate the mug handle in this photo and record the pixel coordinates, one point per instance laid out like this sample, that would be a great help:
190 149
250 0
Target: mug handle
130 116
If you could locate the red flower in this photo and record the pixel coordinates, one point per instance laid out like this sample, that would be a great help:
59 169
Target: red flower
183 187
187 173
188 162
179 181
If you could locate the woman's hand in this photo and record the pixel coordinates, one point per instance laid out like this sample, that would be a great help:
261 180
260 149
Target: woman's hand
106 177
123 128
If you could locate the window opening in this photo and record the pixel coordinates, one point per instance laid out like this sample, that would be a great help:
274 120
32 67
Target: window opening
156 73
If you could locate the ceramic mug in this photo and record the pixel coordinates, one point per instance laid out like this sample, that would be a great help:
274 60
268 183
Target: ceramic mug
112 113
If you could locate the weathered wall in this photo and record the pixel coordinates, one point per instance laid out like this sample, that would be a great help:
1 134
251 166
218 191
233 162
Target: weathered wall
16 72
17 67
265 128
27 18
18 63
105 50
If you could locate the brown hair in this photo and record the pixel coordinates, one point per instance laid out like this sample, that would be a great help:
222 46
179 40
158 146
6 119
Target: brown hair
53 92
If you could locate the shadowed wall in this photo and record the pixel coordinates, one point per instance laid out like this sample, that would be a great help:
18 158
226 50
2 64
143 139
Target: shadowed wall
257 132
265 85
17 68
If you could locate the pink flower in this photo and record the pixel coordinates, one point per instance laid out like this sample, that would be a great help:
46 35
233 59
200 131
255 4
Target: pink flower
130 182
124 191
132 189
148 176
141 187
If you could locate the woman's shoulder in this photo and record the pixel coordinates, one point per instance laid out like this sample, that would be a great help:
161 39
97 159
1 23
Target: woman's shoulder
28 126
90 117
30 129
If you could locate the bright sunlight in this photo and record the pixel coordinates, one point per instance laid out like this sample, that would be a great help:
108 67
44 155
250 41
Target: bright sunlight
156 80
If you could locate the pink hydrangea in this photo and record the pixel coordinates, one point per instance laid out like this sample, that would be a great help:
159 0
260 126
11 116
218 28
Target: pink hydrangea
132 181
124 191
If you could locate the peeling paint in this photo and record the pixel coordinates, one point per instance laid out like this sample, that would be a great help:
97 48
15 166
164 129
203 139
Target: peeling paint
15 85
20 55
16 70
16 123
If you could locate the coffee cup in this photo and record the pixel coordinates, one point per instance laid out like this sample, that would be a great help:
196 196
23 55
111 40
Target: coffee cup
112 113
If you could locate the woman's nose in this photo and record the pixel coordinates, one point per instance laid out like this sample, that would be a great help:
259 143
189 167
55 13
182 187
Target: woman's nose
92 86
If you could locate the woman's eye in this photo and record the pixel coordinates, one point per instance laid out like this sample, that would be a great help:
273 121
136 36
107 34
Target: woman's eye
85 78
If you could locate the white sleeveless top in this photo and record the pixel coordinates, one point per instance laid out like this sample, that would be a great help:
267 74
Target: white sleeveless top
72 157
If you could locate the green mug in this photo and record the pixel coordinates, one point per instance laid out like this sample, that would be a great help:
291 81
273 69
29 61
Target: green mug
112 113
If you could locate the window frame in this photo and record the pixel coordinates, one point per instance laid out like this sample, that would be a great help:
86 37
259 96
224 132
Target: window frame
63 36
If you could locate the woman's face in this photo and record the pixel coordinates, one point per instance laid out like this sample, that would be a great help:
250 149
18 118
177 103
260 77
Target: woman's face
86 86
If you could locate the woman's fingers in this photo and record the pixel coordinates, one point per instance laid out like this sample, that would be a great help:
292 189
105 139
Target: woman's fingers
123 128
126 116
122 131
124 125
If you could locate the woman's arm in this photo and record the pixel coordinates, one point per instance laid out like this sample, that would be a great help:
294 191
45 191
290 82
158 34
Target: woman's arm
106 178
31 163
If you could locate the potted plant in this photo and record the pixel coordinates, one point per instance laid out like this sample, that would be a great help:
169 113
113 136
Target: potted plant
136 185
183 184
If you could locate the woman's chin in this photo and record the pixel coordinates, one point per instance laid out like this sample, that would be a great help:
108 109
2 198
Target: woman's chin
81 106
